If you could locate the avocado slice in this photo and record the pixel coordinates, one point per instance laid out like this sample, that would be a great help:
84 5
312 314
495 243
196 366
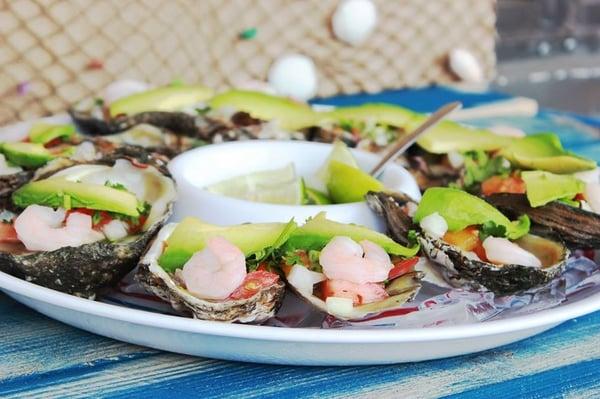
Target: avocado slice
29 155
318 231
388 114
68 194
168 98
449 136
544 151
191 234
43 133
289 114
544 187
461 209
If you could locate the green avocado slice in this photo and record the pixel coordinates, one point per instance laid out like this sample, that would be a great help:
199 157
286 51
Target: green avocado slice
319 230
68 194
43 133
388 114
191 234
450 136
461 209
168 98
29 155
289 114
544 151
544 187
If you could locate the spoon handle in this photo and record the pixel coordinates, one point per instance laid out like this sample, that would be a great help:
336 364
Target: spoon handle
406 141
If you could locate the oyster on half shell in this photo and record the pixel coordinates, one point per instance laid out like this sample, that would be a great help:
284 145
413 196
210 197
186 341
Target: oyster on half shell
255 309
85 269
463 269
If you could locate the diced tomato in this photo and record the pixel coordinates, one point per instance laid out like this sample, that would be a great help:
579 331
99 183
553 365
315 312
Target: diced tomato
359 293
480 252
137 227
8 234
53 142
403 266
138 164
466 239
580 197
498 184
254 282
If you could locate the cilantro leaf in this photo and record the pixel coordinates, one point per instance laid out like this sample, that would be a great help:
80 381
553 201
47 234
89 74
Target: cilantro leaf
479 167
116 186
492 229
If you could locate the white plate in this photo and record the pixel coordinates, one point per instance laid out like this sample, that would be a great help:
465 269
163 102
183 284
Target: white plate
287 345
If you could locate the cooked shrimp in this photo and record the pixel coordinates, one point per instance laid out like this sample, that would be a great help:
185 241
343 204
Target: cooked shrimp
216 271
364 262
502 251
41 228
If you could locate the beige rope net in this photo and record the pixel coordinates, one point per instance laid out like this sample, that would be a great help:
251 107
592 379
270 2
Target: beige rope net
56 52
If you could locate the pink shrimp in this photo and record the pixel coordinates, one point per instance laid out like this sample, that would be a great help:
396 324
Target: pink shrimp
41 228
360 263
216 271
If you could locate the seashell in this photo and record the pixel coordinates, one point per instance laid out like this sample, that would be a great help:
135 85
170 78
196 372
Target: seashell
354 20
295 76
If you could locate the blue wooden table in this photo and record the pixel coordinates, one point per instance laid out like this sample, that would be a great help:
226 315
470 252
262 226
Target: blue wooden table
43 358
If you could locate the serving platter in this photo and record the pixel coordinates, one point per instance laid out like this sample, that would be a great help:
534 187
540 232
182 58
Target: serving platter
293 346
297 346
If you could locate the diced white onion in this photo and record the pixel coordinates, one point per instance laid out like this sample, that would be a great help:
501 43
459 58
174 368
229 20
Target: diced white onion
115 230
339 306
84 152
303 279
456 159
434 225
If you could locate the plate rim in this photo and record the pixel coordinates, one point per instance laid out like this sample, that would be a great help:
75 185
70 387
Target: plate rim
556 315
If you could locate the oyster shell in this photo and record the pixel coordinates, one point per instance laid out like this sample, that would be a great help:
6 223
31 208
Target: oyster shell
461 269
576 227
86 269
155 279
402 289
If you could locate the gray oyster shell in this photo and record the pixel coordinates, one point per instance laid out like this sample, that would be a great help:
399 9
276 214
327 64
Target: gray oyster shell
407 288
156 280
10 183
462 269
578 228
84 270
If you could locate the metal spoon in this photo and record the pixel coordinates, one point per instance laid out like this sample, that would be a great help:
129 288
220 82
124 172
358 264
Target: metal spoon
406 141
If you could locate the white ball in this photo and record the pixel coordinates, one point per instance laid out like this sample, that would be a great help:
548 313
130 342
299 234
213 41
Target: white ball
294 76
354 20
123 88
465 65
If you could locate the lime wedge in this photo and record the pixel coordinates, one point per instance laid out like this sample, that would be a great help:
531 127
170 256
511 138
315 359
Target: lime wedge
314 197
340 153
349 184
277 186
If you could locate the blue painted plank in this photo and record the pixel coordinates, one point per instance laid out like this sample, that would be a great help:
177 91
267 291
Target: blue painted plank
548 384
424 99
